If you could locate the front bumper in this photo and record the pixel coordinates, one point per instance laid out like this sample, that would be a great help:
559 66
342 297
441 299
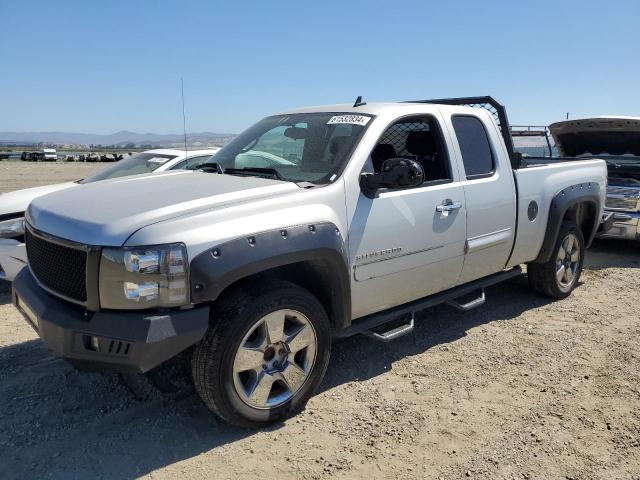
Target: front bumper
626 226
13 257
107 339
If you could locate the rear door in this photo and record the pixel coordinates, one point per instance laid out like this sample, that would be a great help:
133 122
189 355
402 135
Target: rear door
409 243
489 192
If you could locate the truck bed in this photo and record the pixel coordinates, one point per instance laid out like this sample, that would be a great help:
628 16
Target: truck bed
537 184
537 161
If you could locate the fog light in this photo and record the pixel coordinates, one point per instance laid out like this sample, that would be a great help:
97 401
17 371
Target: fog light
95 345
141 291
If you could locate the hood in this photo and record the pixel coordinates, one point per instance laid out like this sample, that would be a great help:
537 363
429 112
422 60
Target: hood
18 200
106 213
597 136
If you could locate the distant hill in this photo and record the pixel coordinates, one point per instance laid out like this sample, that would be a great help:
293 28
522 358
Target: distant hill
119 138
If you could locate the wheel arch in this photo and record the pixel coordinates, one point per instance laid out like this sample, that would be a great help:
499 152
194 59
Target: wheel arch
578 203
311 256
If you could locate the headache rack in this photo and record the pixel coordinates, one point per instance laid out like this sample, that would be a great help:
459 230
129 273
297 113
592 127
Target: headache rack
495 108
533 131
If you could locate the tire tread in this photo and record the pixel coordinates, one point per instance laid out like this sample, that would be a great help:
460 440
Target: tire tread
208 355
542 275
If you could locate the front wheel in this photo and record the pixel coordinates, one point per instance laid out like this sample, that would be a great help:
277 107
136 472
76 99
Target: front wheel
559 276
265 353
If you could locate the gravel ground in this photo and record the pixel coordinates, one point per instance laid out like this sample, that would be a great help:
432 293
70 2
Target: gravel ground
16 175
521 387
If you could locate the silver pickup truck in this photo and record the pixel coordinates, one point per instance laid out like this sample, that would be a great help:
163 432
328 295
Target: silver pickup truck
314 224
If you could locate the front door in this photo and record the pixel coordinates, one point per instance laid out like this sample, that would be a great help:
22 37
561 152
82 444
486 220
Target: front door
407 244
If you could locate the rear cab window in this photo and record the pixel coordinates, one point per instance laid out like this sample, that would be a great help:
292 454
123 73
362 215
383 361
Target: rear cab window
475 147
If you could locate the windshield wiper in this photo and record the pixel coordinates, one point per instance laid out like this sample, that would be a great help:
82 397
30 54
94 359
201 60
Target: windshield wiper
254 172
305 184
246 171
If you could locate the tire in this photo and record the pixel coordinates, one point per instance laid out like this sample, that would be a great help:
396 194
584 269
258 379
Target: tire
240 336
559 276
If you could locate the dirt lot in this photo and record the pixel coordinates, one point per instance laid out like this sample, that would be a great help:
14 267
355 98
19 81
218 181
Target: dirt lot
519 388
16 175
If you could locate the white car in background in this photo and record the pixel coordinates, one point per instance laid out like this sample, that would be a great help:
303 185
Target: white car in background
49 155
13 253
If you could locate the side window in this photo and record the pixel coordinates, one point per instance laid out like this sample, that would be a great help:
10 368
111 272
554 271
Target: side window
474 146
419 139
191 163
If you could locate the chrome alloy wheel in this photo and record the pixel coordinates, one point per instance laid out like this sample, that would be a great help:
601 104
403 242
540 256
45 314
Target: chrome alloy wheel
274 359
567 261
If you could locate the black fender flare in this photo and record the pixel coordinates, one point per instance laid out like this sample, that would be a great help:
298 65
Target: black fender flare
222 265
565 199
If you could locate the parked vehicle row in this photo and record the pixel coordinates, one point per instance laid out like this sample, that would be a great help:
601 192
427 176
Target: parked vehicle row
46 155
32 156
13 254
95 157
50 155
313 224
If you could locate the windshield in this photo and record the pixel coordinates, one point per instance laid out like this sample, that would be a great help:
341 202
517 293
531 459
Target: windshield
133 165
303 147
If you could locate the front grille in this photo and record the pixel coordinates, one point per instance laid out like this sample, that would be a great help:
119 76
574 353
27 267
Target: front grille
626 191
60 268
628 204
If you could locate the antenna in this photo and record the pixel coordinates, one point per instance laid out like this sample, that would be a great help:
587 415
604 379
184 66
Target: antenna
359 102
184 118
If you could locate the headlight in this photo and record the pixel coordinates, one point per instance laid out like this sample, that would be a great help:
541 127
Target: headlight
12 228
144 277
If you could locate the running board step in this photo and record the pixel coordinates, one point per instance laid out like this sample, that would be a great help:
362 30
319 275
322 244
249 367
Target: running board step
471 304
395 332
385 317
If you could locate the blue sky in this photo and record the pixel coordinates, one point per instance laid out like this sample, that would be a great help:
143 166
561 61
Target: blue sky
100 67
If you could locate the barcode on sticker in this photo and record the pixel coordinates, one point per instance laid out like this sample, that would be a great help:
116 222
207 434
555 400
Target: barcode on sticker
351 119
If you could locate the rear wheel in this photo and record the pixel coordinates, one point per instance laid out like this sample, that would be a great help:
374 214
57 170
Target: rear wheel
559 276
264 355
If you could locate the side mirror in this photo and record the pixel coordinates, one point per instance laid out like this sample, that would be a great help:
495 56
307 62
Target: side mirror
395 173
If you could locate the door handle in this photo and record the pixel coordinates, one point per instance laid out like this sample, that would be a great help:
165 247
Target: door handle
448 206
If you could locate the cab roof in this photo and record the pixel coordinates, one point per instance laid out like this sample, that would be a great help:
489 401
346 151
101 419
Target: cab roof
376 108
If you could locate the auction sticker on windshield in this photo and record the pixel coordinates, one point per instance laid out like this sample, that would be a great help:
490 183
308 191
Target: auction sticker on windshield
350 119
